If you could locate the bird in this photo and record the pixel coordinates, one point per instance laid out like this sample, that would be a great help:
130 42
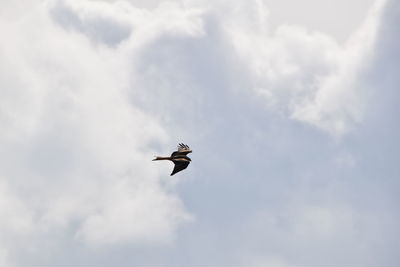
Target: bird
179 158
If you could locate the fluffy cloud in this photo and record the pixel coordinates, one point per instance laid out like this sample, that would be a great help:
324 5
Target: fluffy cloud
90 89
75 150
306 75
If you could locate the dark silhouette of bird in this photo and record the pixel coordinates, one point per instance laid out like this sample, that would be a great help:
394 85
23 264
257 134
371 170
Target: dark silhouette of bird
179 158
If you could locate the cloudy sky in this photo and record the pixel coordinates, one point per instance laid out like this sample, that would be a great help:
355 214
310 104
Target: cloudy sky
289 106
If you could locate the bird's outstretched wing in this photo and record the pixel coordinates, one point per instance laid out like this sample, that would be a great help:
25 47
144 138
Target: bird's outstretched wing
179 166
182 150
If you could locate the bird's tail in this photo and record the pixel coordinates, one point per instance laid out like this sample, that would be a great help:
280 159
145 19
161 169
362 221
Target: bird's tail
162 158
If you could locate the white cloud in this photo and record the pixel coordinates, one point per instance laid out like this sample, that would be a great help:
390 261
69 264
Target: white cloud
18 217
3 259
131 211
307 75
341 96
16 221
90 89
75 151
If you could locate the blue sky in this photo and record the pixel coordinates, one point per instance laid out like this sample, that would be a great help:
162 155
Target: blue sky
292 121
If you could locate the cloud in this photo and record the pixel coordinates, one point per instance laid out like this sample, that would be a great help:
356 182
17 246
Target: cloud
307 75
135 210
75 150
97 21
90 89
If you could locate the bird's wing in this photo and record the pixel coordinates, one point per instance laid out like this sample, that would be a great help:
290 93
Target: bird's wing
180 165
182 150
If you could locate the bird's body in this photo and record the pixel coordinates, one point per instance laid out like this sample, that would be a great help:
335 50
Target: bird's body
179 158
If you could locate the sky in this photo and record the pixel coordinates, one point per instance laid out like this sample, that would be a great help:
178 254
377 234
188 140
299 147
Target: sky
290 110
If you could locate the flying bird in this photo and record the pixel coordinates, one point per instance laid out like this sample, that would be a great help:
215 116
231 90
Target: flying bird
179 158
